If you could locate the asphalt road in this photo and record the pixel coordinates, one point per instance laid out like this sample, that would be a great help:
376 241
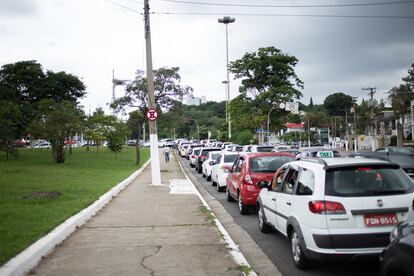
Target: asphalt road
276 247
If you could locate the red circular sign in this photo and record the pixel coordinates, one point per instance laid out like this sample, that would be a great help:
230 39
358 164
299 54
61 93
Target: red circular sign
152 114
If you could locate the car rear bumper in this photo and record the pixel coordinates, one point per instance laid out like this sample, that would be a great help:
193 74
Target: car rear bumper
349 241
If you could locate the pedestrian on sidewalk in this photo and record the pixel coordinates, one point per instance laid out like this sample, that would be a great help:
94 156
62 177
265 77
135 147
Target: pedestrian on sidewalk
167 154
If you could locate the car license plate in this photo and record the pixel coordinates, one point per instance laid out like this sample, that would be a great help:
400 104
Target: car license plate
379 220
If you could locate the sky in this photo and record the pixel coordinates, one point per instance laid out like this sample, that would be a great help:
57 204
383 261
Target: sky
90 38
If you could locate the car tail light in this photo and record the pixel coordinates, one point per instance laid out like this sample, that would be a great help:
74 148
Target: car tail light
248 179
202 156
192 156
326 207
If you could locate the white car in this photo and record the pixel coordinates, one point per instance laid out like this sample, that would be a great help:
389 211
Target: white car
331 207
183 149
218 174
209 163
192 156
247 148
256 148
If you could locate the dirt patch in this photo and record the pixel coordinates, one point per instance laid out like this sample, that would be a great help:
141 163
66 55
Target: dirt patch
42 195
164 171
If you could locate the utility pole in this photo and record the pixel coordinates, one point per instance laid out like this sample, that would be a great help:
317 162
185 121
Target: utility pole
372 91
155 159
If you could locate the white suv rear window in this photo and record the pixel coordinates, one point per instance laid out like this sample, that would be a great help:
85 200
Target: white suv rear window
368 180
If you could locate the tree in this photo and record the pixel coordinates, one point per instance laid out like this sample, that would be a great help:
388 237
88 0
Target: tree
116 133
400 98
409 80
167 90
135 121
23 85
338 103
311 103
268 77
57 122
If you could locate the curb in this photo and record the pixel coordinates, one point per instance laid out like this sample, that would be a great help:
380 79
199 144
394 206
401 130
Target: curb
234 250
32 255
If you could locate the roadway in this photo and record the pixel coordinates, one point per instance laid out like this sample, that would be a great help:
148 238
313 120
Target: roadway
277 248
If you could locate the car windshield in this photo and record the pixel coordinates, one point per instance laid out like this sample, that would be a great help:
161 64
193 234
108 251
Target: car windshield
268 164
264 149
402 149
230 158
197 151
367 181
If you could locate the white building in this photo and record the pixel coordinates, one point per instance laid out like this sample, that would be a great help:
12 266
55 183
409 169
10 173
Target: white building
190 100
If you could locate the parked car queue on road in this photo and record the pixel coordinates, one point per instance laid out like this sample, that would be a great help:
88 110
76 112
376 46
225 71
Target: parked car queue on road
336 203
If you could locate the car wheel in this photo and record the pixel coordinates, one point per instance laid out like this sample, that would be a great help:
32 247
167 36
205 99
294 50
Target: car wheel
204 175
297 248
208 178
243 208
264 227
219 188
228 196
199 170
191 165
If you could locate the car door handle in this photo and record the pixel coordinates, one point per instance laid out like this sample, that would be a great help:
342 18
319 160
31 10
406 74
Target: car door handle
274 199
288 203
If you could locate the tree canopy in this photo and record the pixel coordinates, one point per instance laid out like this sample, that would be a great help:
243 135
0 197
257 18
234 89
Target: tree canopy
338 103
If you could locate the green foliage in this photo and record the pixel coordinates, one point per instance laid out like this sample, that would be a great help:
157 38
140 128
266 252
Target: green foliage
242 137
409 80
57 122
81 180
167 90
268 77
116 134
393 140
338 103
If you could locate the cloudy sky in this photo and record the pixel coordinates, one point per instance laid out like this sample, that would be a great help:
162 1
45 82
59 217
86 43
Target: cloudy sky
89 38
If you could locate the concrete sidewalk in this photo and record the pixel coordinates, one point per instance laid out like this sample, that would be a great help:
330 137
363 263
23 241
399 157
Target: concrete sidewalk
145 230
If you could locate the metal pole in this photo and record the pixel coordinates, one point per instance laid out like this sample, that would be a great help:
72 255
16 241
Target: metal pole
268 123
155 160
228 79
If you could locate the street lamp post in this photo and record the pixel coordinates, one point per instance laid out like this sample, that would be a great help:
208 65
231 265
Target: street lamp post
226 20
268 122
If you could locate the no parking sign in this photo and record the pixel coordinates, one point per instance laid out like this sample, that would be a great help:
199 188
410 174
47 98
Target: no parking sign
152 114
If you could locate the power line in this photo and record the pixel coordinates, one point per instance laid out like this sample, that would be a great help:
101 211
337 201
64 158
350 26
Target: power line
122 6
287 15
289 6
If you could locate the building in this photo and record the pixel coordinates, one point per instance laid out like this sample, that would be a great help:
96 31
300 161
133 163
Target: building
191 100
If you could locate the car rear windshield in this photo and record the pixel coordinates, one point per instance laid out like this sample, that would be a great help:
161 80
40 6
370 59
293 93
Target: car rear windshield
230 158
197 151
367 181
215 155
264 149
205 151
268 164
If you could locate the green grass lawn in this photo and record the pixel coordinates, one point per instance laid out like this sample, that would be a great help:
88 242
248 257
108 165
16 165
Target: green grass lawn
24 217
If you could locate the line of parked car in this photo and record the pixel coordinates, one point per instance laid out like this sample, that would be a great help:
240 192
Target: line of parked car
327 206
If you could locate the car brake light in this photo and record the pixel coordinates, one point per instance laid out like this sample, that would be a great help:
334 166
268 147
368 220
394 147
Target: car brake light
202 156
248 179
326 207
192 156
364 169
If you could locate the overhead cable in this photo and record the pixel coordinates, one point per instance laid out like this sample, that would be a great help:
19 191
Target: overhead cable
287 15
291 6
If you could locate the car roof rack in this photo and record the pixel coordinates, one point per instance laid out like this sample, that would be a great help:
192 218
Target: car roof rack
313 159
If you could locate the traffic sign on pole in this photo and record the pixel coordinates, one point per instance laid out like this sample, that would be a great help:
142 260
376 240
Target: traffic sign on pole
152 114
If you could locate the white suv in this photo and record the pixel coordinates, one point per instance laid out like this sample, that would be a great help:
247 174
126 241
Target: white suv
336 206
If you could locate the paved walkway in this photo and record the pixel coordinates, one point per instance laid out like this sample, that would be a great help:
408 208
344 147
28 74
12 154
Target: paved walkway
145 230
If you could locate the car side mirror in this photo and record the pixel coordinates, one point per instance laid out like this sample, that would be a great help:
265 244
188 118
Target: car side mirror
263 184
211 163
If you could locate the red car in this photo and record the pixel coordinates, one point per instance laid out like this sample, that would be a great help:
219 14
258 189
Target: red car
247 171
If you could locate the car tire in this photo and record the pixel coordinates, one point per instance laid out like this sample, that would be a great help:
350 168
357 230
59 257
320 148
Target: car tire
228 196
191 165
204 175
208 178
199 170
297 249
220 189
243 208
264 227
